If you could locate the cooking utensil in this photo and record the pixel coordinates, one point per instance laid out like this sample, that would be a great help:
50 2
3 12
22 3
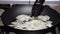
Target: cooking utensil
37 7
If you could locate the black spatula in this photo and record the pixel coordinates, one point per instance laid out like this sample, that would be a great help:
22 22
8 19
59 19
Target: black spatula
37 7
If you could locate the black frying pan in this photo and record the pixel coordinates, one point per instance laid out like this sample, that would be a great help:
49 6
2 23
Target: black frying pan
10 14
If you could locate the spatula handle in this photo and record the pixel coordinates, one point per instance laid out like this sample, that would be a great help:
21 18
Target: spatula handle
40 1
37 7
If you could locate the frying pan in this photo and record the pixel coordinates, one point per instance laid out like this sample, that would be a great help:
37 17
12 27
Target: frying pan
9 15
